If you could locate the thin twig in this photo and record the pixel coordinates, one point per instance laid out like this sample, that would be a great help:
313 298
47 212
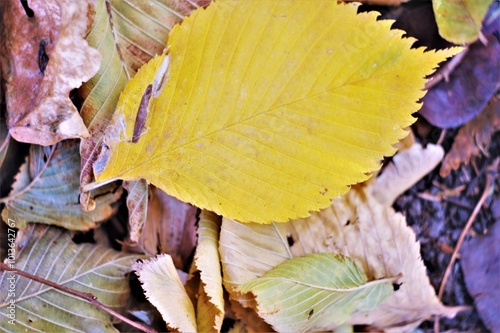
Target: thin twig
445 71
465 231
85 296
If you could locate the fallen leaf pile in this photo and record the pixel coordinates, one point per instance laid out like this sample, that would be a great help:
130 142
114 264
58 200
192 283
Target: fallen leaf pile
234 151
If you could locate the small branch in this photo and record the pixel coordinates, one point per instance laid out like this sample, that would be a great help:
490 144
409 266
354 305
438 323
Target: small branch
85 296
465 231
446 70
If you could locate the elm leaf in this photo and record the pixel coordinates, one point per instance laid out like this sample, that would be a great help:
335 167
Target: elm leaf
270 108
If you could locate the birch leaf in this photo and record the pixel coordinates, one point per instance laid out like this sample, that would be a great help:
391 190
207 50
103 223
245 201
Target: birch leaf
51 254
265 110
460 21
164 289
46 190
315 292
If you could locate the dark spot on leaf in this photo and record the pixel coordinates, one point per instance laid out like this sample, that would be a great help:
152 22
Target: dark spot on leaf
27 9
31 207
29 319
310 314
290 240
142 113
323 191
43 58
396 286
348 222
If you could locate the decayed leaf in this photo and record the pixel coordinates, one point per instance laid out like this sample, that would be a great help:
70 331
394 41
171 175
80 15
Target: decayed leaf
471 85
480 263
406 168
46 190
315 292
137 204
474 138
52 255
45 57
165 291
270 134
459 21
127 34
170 228
210 304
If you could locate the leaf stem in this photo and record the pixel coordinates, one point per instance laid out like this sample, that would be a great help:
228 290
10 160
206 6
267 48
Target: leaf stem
89 297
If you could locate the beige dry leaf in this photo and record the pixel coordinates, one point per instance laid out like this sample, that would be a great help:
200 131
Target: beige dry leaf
137 205
164 289
45 56
406 168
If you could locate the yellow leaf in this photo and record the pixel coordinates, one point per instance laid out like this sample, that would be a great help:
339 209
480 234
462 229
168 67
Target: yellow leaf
270 109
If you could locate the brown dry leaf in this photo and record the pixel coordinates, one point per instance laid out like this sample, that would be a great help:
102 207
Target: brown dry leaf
406 168
44 57
381 243
249 317
169 228
473 139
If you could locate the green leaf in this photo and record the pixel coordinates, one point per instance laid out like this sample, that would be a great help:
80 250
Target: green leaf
269 108
51 254
46 190
460 21
315 292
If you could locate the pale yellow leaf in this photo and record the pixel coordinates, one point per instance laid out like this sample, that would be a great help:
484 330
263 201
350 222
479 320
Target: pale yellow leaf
265 110
210 305
164 289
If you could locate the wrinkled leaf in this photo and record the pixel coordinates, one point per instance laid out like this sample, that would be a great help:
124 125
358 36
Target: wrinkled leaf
480 261
51 254
406 168
45 58
315 292
471 84
127 34
459 21
170 228
164 289
273 134
210 305
474 138
46 190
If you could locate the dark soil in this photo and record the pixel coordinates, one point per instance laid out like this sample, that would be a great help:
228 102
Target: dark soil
438 222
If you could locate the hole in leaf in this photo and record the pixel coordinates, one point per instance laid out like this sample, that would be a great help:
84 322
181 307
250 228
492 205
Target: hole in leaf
43 58
310 314
396 286
290 240
27 9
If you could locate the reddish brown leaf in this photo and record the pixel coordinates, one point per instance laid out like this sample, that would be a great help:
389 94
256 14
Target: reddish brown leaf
44 58
474 138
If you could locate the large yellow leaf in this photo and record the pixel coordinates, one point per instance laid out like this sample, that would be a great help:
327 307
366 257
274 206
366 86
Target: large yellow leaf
271 108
